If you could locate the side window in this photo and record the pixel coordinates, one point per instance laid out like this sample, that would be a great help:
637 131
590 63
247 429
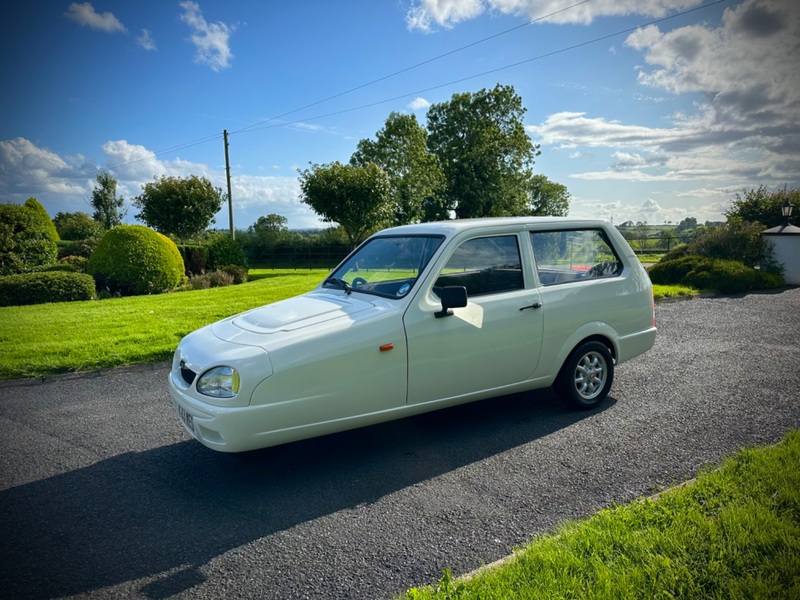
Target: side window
487 265
574 255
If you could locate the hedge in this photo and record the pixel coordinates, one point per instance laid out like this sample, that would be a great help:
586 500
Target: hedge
48 286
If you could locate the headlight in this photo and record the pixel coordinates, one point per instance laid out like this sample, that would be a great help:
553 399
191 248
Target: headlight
219 382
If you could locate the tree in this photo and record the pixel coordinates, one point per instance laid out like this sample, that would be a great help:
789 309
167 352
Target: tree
77 226
757 205
355 197
548 198
107 206
272 226
485 153
400 149
27 238
686 224
182 207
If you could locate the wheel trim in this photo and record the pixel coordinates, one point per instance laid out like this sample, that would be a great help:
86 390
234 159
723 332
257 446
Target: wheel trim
590 376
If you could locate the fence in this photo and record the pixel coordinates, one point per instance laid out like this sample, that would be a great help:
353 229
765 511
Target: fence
314 258
297 259
655 245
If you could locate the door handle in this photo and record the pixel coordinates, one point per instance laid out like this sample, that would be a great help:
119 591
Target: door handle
534 305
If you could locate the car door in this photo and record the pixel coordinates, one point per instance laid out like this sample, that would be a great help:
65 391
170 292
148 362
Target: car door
492 342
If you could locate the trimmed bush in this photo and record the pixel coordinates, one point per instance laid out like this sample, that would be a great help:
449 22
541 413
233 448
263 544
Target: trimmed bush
209 280
135 260
71 263
50 286
195 258
723 276
225 250
82 248
238 273
673 272
27 238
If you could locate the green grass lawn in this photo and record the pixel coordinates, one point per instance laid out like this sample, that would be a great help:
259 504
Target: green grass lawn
44 339
734 533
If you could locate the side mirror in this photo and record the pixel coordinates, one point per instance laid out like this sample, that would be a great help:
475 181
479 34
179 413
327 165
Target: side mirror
452 296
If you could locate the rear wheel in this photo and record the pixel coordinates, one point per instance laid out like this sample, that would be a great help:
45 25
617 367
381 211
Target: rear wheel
586 377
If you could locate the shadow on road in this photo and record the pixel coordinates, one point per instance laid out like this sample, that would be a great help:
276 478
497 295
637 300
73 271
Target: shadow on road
142 514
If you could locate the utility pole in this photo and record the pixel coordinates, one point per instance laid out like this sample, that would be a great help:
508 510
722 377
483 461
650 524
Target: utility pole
228 176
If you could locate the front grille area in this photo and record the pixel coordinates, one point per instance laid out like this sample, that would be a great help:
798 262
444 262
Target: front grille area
188 375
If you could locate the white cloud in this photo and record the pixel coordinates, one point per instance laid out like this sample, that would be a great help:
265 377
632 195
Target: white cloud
425 15
748 70
211 40
419 104
84 14
445 13
64 184
28 170
572 129
146 41
746 125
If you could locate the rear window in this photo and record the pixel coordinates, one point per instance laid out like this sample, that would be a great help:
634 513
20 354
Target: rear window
570 256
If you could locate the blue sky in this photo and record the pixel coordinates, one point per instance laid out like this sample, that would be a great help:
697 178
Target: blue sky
644 122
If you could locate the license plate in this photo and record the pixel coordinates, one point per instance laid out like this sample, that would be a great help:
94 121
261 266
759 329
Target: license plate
186 418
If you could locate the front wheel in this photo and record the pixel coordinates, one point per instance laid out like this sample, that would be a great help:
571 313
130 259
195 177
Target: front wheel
586 377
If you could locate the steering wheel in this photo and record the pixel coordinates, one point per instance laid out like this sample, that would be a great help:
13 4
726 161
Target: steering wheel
359 281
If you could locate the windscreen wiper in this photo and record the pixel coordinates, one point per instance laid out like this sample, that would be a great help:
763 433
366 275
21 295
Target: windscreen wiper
340 283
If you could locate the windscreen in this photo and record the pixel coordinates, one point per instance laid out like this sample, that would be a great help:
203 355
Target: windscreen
386 266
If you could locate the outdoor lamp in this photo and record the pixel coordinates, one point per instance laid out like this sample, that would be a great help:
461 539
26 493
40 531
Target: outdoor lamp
786 211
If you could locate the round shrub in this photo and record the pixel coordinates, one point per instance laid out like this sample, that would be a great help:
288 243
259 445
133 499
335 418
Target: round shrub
678 252
703 273
49 286
134 260
723 276
673 272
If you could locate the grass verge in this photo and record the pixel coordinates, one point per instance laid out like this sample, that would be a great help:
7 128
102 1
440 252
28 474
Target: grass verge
733 533
673 291
45 339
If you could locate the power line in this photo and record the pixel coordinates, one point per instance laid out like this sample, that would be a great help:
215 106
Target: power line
489 72
412 67
262 125
255 126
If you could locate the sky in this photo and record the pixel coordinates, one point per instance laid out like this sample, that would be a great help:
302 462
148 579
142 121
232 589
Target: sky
646 110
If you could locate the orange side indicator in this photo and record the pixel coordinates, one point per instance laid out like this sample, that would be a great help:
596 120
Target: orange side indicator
387 347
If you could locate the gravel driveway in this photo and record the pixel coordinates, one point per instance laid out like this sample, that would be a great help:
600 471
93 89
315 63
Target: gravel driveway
102 495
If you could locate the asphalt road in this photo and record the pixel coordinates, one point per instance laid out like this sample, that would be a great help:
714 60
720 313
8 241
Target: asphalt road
102 495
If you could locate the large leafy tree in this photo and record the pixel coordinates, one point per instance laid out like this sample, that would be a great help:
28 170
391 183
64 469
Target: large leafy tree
355 197
548 198
485 153
178 206
400 149
108 207
758 205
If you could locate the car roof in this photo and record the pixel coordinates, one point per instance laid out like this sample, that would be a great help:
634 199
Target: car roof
456 225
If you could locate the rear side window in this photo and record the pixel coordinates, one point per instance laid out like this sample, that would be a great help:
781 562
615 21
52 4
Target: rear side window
488 265
574 255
